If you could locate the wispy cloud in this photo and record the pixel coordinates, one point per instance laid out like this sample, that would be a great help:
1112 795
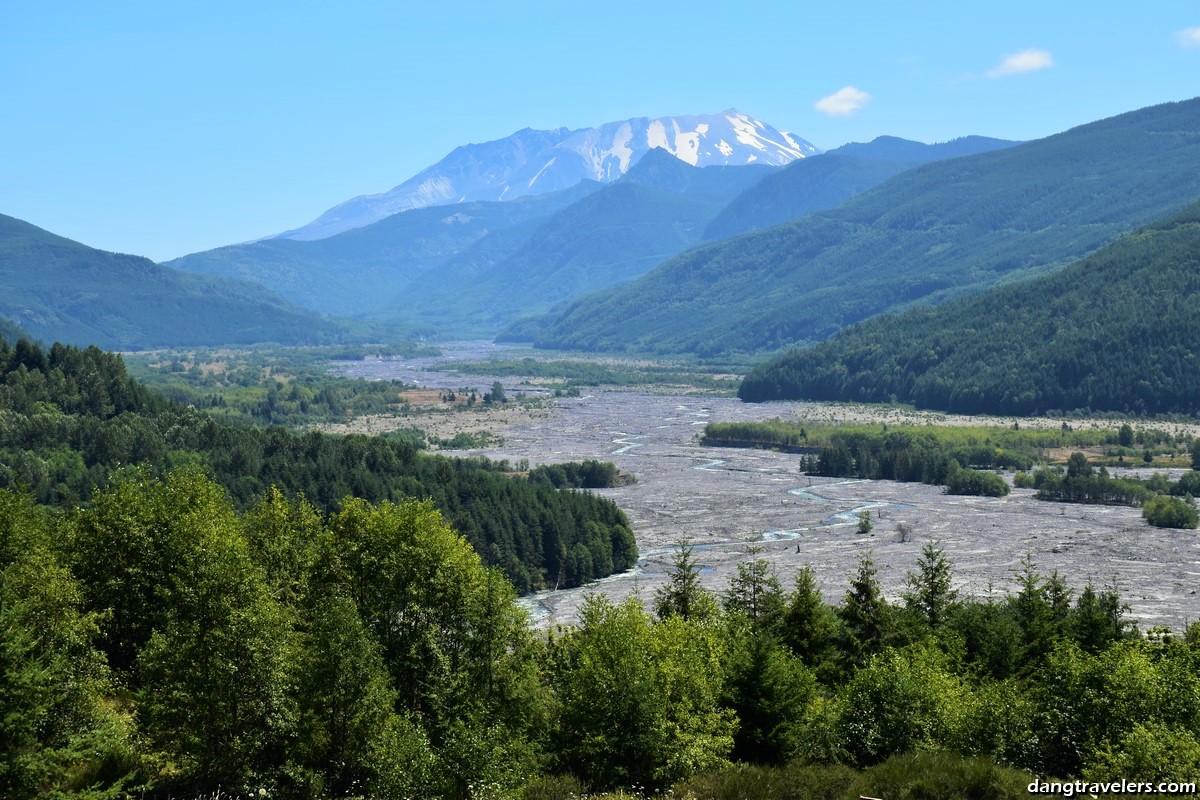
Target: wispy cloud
843 102
1024 61
1189 37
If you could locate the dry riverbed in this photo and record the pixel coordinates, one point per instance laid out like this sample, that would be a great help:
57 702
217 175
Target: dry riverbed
735 504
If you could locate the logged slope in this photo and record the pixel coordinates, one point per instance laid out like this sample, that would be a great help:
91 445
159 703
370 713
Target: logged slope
1116 331
364 269
659 209
939 230
531 162
57 289
828 180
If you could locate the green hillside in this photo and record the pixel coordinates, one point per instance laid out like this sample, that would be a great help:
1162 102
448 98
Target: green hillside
57 289
10 331
941 230
826 181
657 210
366 268
1116 331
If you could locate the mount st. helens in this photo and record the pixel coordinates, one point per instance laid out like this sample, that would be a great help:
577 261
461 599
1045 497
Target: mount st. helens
535 162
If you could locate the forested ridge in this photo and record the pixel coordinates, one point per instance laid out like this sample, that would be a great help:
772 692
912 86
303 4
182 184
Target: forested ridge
367 268
821 182
929 234
69 418
477 266
11 332
58 289
1116 331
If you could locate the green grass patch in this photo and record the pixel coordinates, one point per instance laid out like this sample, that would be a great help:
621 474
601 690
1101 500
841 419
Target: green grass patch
271 385
715 378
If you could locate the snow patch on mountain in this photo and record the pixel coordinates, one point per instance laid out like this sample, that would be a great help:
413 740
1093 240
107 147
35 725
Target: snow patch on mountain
533 180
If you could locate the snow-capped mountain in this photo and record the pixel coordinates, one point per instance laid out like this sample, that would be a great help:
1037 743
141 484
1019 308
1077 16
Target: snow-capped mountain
535 162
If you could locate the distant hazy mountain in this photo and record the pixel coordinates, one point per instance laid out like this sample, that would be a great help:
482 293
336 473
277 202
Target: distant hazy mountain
60 290
906 151
832 178
658 209
477 266
535 162
366 269
928 234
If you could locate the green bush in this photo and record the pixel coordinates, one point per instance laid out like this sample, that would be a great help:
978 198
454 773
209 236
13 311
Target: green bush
923 775
1023 480
975 482
1150 752
1170 512
792 782
942 776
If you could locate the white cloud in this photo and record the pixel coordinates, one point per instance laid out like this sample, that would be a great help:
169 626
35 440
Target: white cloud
1189 37
843 102
1024 61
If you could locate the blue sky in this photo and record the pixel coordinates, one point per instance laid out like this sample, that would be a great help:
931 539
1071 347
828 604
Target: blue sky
164 128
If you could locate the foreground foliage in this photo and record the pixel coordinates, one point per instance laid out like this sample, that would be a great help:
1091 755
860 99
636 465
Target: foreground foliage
160 643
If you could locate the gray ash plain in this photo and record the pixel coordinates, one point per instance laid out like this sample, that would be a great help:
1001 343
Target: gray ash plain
735 504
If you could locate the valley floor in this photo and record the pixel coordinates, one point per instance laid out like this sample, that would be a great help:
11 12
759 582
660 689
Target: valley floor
734 504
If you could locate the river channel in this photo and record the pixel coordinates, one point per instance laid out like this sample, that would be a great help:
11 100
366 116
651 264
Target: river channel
735 504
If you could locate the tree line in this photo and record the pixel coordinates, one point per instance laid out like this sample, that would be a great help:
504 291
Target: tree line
70 418
959 459
1165 503
939 456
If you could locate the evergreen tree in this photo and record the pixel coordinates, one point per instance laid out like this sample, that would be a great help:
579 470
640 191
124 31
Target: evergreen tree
769 690
930 593
683 595
754 592
810 627
864 613
1098 619
1038 609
